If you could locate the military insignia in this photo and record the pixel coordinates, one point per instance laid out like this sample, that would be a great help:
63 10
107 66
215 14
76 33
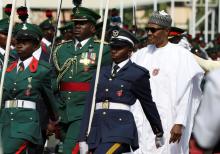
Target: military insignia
92 57
86 59
115 33
24 27
119 93
155 72
29 87
77 11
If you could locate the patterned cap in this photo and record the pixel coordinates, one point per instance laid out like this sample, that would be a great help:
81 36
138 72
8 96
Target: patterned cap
160 18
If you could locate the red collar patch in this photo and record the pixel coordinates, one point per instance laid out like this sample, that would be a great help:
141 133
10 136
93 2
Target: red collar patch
33 65
12 66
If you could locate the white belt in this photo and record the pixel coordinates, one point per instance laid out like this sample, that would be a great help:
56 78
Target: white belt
20 104
112 105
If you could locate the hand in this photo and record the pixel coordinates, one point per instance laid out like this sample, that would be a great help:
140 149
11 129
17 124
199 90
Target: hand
83 147
50 129
159 141
176 133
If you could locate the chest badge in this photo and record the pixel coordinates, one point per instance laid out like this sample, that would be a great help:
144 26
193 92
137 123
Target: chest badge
120 92
155 72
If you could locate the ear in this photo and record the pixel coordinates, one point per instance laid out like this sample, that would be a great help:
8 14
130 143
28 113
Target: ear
92 28
130 50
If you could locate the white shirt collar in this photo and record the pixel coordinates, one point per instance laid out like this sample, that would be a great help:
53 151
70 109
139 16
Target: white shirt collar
82 42
121 64
44 40
25 62
2 51
37 53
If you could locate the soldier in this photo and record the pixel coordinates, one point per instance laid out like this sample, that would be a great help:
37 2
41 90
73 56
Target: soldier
120 84
76 62
3 38
4 25
27 85
67 31
48 31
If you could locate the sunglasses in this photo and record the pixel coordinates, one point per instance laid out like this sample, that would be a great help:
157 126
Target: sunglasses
152 29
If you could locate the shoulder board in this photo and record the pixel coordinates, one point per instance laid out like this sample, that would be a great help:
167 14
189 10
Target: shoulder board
99 41
44 63
140 67
64 42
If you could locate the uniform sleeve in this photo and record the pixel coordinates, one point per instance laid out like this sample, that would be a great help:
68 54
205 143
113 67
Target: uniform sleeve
142 91
188 91
106 57
207 125
207 65
48 95
86 113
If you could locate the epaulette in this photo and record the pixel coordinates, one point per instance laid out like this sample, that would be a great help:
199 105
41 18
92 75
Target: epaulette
99 41
141 68
45 64
64 42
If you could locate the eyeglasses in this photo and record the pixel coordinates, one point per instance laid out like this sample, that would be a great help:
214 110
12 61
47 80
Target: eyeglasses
152 29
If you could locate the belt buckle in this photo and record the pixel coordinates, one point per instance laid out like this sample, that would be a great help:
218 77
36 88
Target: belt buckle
13 103
105 104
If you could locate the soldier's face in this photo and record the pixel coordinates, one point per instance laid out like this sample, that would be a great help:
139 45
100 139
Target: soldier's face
25 48
3 39
83 30
120 54
49 34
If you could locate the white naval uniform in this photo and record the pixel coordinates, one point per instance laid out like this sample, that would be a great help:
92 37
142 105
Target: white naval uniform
175 85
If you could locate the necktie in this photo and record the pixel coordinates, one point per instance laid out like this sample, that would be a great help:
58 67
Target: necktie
21 67
78 46
115 68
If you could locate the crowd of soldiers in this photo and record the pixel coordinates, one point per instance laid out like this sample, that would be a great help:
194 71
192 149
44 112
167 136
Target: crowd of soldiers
49 92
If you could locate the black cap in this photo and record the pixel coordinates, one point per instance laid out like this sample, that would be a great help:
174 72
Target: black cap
28 31
121 37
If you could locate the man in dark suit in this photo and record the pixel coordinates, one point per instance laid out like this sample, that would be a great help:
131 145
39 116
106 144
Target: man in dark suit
113 128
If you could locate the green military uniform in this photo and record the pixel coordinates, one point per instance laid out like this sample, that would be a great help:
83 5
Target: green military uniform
75 67
23 92
4 25
48 31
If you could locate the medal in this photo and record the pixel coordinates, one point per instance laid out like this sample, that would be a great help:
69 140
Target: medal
85 61
29 87
120 92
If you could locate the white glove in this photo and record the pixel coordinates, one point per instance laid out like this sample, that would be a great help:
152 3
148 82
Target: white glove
83 147
159 141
